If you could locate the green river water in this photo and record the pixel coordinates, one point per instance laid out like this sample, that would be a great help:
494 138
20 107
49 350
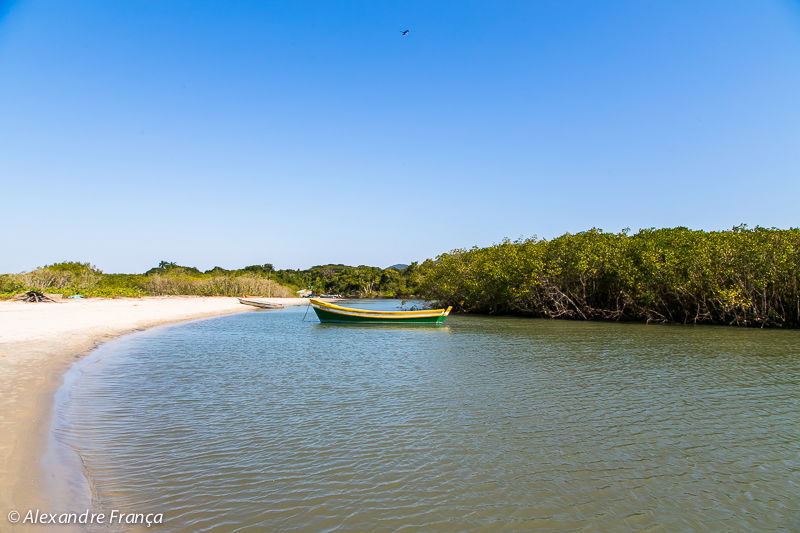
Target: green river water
264 422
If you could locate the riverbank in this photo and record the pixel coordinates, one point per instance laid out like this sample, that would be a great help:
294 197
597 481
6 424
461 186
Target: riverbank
38 343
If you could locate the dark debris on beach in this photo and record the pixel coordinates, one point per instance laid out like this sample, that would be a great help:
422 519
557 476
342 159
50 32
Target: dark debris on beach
34 296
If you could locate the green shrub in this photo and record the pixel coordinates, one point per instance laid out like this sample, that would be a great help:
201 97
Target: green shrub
747 277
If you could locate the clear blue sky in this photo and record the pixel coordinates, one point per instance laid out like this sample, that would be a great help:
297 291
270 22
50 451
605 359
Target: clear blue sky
299 133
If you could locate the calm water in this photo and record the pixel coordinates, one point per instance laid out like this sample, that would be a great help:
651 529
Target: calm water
263 422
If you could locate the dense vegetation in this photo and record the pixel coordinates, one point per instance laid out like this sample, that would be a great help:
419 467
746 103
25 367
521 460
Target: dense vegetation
362 281
745 277
70 278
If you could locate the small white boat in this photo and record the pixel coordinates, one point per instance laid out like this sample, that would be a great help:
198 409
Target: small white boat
260 303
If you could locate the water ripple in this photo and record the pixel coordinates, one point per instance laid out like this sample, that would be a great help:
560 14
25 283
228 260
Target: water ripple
261 422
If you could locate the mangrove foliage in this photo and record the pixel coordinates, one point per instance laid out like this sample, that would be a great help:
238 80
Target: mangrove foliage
743 277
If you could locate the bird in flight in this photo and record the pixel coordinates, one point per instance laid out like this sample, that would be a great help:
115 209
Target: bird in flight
405 32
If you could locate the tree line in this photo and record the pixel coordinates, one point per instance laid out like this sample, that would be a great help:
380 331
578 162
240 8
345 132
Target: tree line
744 277
168 278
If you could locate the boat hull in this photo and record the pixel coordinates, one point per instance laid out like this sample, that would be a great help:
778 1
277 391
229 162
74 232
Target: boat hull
327 312
327 316
259 303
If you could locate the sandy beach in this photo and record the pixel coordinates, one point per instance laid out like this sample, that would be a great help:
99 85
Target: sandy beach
38 343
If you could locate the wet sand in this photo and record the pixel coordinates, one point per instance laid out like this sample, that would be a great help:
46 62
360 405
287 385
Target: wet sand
38 343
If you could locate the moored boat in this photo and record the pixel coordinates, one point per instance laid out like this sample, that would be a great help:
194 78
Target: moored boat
260 303
327 312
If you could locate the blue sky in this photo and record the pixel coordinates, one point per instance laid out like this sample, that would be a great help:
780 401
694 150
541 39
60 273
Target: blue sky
299 133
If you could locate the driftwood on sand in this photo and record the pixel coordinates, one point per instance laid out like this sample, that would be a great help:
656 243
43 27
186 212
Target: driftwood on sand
34 296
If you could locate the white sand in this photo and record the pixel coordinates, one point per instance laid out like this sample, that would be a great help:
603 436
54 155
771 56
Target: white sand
38 342
97 317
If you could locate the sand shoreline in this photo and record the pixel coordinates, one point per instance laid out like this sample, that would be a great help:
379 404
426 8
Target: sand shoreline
38 344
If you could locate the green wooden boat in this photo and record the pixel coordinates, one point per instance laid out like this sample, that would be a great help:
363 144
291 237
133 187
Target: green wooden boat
327 312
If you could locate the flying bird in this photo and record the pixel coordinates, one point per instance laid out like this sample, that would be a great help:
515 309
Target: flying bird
405 32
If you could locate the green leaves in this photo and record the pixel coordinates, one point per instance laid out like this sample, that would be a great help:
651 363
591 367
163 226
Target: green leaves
743 276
